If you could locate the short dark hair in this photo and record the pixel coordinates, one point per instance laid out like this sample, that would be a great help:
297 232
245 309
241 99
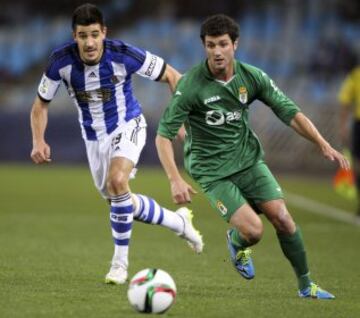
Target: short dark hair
219 24
87 14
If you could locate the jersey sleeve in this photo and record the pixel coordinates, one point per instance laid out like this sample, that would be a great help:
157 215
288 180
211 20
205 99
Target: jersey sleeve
283 107
346 93
175 113
50 81
142 62
153 67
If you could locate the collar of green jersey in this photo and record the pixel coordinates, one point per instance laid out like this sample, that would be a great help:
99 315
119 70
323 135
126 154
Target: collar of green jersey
208 73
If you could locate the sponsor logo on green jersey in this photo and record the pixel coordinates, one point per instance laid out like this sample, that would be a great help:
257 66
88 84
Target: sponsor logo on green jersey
218 117
212 99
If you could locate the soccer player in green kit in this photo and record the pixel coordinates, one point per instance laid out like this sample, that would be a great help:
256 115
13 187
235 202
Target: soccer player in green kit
224 155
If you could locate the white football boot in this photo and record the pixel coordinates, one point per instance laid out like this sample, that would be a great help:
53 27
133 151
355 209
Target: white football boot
117 275
190 234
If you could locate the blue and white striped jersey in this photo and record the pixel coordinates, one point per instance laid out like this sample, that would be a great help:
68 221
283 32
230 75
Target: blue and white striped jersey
102 92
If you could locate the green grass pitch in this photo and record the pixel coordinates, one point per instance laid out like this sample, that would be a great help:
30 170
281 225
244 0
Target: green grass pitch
55 248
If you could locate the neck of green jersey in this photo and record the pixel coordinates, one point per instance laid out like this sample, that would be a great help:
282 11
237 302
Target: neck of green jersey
222 76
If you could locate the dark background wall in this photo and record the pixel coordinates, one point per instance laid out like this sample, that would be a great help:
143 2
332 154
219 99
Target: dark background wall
307 47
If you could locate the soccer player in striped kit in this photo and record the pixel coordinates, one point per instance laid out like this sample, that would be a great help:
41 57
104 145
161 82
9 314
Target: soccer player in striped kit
97 74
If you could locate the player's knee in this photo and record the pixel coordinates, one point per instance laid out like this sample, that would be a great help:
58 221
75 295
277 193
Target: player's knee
284 223
117 183
253 232
249 224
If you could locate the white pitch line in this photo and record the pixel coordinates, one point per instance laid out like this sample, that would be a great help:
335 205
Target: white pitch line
321 208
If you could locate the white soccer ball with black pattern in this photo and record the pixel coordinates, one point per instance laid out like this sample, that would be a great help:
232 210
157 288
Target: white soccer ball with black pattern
152 291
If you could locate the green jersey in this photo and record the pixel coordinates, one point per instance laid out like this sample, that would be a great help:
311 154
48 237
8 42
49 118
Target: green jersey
219 141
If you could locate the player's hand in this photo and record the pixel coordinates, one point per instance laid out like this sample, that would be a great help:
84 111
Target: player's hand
333 155
181 134
41 153
181 191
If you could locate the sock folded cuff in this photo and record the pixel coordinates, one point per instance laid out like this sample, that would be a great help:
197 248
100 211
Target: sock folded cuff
238 240
117 199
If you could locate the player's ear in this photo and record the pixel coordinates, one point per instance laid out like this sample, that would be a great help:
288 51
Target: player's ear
104 30
74 32
236 42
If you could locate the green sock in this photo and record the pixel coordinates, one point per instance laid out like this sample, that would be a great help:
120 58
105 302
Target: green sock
294 250
238 240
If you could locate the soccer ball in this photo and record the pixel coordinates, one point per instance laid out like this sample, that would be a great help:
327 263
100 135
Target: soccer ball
152 291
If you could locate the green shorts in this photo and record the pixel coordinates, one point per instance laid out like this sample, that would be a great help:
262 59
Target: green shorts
253 185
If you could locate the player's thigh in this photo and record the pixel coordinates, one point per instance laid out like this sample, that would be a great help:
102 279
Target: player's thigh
119 172
258 185
99 162
130 142
125 150
225 198
126 143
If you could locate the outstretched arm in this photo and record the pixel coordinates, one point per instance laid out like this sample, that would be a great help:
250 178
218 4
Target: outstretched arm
39 116
304 127
181 191
171 76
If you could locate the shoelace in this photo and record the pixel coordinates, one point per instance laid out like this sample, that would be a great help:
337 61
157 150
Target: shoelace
244 256
314 289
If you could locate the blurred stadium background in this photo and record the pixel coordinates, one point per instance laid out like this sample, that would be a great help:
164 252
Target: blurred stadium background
305 46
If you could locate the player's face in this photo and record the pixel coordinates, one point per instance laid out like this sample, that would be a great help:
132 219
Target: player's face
220 51
90 39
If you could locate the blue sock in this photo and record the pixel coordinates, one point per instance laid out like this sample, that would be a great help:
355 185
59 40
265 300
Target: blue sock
121 219
149 211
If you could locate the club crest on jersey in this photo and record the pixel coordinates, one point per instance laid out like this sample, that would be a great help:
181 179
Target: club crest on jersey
243 94
115 80
221 207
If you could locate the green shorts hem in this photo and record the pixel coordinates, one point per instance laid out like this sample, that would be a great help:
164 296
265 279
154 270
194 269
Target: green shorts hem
253 186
